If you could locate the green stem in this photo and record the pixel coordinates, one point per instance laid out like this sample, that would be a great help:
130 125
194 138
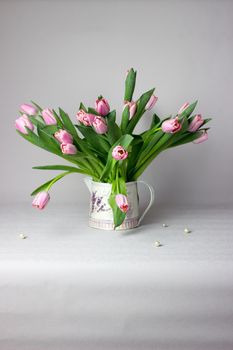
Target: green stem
124 169
56 179
88 164
99 165
117 179
144 165
157 129
149 132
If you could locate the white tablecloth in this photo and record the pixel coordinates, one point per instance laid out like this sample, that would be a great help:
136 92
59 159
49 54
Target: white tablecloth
71 287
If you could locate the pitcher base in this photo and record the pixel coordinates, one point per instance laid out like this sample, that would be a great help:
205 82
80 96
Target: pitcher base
108 225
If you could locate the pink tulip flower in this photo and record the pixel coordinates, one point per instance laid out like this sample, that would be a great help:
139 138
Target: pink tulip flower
152 101
171 126
68 148
100 125
23 122
80 114
119 153
182 108
48 117
63 136
88 119
41 200
196 123
85 118
202 138
132 108
28 109
122 202
102 106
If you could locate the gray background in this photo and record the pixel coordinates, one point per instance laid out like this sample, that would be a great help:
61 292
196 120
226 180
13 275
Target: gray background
61 52
84 288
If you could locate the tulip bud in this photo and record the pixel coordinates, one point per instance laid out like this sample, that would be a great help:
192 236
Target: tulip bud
126 73
102 106
28 109
202 138
41 200
182 108
132 108
100 125
48 117
122 202
171 126
119 153
152 101
23 122
63 136
196 123
68 148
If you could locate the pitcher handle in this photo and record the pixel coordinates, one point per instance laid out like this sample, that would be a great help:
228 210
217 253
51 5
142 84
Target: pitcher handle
152 198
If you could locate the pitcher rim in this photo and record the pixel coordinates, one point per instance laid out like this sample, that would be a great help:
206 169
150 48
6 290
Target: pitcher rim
107 183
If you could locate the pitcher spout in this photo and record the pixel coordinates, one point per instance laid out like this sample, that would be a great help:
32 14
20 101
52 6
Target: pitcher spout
88 183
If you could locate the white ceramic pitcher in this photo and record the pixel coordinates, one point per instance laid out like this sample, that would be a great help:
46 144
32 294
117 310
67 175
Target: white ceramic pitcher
100 214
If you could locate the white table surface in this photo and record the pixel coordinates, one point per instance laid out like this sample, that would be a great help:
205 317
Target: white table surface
68 286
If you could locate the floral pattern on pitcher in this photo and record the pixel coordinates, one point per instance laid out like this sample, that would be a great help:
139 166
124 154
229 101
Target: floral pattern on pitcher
98 203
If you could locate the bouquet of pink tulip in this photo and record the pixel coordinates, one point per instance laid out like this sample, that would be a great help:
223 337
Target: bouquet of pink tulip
98 147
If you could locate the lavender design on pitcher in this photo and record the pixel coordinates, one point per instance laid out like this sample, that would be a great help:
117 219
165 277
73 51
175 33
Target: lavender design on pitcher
97 203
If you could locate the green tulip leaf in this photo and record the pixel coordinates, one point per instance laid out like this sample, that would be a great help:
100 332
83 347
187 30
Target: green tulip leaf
59 167
186 138
125 119
95 140
58 119
134 153
188 111
49 141
40 109
32 137
130 84
149 146
114 132
207 120
69 126
50 129
81 106
155 121
36 121
63 167
92 111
